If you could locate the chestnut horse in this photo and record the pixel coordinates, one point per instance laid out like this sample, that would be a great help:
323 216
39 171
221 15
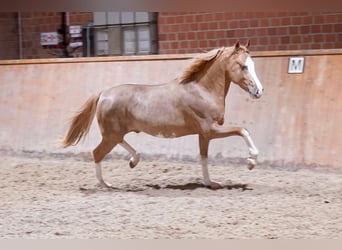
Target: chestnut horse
194 103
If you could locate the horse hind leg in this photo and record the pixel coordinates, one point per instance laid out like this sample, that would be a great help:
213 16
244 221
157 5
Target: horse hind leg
135 156
99 153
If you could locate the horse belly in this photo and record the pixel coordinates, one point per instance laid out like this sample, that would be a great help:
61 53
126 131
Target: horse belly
165 128
163 121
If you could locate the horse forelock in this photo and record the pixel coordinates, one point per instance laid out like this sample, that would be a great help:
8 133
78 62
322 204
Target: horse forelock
243 48
199 64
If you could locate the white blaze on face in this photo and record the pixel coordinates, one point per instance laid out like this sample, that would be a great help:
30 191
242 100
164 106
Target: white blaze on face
251 70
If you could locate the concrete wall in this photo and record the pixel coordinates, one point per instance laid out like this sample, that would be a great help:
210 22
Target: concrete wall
297 121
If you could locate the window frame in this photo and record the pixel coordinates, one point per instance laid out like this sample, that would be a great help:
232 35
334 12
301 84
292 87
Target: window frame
150 23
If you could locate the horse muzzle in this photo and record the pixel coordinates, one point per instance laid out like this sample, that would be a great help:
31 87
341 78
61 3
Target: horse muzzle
255 92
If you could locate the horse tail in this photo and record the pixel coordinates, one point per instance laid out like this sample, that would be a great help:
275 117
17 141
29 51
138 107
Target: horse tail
80 122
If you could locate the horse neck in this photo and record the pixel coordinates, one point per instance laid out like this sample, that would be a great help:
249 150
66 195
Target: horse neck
216 81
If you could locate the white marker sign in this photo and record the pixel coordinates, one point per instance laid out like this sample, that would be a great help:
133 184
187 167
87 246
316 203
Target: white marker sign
49 38
296 65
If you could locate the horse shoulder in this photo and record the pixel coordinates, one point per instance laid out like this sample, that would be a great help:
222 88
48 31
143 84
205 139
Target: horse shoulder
205 107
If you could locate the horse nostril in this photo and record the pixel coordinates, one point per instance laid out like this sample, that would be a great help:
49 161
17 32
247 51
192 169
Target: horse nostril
258 93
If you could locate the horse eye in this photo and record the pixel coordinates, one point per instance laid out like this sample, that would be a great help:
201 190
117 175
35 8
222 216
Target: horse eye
244 67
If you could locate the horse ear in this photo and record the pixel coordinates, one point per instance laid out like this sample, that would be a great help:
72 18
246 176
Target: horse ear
237 45
248 43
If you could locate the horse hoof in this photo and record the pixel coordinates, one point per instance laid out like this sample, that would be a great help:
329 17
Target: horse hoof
215 186
251 163
104 184
133 162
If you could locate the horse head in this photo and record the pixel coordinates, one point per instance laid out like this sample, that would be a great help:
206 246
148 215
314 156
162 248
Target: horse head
240 68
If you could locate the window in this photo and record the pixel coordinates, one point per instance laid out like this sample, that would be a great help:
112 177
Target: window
124 33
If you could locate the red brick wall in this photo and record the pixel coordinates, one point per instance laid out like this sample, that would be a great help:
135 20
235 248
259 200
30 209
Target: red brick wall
8 36
194 32
33 23
181 32
37 22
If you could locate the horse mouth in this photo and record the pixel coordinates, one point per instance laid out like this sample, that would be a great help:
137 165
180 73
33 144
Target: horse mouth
255 93
257 96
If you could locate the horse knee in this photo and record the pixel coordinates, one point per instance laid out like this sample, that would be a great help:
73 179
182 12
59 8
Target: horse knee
244 132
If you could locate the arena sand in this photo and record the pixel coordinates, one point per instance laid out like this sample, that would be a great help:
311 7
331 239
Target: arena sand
57 197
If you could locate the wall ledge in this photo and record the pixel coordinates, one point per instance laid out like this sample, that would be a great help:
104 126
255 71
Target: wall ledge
279 53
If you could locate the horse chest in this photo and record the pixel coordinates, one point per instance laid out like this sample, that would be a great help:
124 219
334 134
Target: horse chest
209 111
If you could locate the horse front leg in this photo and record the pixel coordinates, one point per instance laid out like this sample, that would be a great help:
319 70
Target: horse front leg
222 131
203 145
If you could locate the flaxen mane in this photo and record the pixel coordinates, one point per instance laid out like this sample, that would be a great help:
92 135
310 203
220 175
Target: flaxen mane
191 72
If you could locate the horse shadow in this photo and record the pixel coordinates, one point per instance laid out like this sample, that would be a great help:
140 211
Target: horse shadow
192 186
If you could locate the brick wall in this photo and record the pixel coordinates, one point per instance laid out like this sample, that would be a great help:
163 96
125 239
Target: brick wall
37 22
8 38
194 32
182 32
33 23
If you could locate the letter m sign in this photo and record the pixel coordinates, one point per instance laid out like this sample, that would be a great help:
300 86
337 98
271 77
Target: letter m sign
296 65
